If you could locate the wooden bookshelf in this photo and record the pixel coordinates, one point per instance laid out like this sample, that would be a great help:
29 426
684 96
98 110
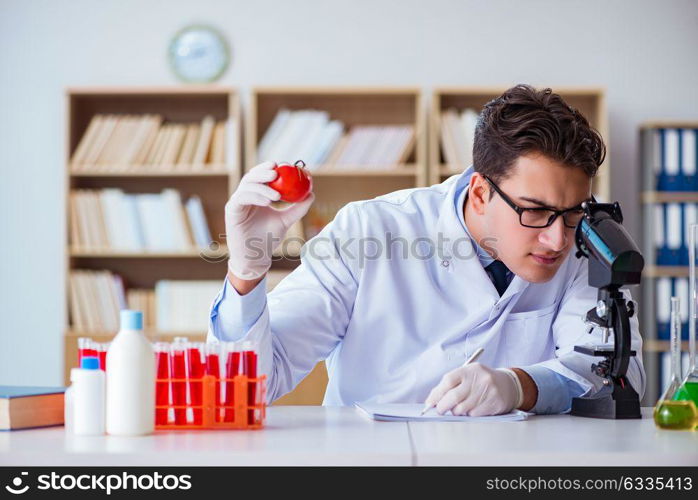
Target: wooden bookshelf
591 102
213 183
649 198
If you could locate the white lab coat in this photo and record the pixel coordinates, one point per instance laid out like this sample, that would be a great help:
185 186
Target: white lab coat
390 327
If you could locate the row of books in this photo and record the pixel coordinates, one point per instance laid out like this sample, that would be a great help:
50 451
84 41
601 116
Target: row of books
130 142
95 299
97 296
312 136
457 133
672 222
183 306
673 153
110 219
665 289
372 146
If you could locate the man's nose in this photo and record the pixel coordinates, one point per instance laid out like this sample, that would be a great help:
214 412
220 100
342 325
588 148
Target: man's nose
554 237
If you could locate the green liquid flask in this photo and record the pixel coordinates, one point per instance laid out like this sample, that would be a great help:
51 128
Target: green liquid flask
689 387
668 413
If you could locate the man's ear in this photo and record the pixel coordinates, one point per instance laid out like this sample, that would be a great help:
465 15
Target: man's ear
478 193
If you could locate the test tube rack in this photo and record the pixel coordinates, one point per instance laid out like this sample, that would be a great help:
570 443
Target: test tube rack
241 414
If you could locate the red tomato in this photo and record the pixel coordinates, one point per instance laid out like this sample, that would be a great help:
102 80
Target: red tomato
293 183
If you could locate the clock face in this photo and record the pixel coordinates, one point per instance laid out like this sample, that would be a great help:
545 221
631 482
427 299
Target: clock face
199 54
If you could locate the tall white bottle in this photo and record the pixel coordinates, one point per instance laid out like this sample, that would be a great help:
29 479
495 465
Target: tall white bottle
130 379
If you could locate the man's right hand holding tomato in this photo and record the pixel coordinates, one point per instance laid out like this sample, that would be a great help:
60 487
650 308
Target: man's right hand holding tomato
251 224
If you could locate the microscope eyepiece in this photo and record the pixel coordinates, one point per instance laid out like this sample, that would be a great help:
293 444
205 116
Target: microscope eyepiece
614 258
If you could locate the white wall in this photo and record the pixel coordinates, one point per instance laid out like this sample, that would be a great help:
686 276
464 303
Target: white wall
643 52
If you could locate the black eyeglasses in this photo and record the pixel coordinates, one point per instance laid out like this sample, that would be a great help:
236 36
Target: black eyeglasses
540 217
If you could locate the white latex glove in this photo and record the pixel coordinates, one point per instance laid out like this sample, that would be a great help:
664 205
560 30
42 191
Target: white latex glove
251 223
477 390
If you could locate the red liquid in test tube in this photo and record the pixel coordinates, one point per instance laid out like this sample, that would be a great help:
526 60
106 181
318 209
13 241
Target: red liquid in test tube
103 348
162 385
250 369
195 372
232 368
213 367
179 386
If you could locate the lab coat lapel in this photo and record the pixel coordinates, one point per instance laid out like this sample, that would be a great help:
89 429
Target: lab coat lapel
457 253
456 248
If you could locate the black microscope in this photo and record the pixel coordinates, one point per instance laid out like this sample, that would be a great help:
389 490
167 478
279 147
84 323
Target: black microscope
614 261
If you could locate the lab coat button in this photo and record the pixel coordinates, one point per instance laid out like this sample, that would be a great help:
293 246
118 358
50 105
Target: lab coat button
445 263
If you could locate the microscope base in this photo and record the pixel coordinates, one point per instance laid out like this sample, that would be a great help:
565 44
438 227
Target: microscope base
619 403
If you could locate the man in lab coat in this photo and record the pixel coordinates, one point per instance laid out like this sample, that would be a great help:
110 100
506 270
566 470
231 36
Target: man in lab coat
396 292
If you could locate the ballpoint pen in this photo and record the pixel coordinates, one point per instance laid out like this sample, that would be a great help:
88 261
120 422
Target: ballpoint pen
471 359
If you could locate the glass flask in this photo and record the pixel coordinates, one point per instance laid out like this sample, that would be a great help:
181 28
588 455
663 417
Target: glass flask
668 413
688 391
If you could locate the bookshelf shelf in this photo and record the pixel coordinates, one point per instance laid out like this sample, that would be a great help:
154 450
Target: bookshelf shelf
170 171
590 101
449 170
406 171
665 271
669 197
212 182
654 345
151 333
110 254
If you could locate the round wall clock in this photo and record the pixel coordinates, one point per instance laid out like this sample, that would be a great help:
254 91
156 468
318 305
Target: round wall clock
199 54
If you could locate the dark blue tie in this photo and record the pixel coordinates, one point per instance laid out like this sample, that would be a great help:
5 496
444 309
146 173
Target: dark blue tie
498 273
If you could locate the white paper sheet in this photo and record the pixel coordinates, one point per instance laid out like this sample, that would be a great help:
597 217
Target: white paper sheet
411 413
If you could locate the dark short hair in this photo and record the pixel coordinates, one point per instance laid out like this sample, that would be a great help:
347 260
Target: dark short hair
525 120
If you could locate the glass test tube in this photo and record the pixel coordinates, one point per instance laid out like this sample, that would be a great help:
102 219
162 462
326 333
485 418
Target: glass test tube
250 369
86 348
102 353
689 386
162 384
232 369
195 372
213 367
179 375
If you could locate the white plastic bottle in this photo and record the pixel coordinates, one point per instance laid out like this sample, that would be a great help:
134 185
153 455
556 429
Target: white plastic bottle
130 379
85 404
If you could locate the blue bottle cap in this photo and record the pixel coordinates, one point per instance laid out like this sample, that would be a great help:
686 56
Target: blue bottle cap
131 320
89 363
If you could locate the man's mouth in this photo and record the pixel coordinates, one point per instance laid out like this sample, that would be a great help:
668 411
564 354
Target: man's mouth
546 260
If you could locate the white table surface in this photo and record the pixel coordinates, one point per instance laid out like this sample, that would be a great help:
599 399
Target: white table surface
549 440
293 435
311 435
